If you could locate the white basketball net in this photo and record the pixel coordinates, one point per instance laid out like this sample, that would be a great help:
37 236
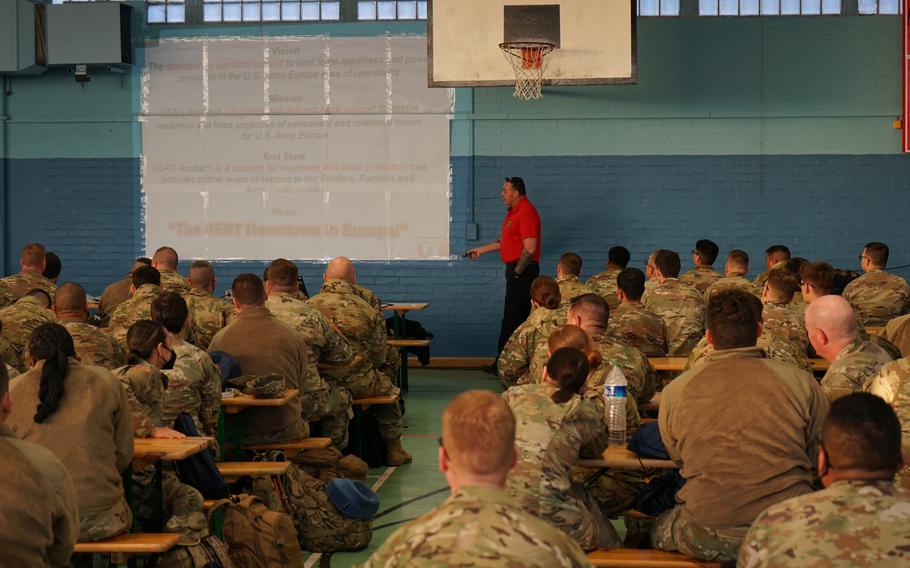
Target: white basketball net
529 61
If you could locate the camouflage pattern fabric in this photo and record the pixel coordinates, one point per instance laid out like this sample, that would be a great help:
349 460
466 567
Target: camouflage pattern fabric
604 285
550 438
878 297
16 286
7 353
138 307
634 325
479 527
641 377
683 310
798 306
852 368
19 321
105 524
779 319
672 532
183 506
570 287
892 383
364 329
94 346
775 346
851 523
733 281
897 332
171 281
701 277
144 386
208 315
520 358
193 386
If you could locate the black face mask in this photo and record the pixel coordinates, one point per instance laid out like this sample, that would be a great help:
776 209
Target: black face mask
169 364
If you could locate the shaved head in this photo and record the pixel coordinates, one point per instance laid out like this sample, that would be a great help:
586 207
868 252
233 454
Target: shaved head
165 257
70 297
834 315
341 268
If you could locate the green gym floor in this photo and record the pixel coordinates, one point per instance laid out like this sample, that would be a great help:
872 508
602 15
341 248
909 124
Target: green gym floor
430 391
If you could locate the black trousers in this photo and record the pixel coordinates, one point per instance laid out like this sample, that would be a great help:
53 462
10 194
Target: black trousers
518 300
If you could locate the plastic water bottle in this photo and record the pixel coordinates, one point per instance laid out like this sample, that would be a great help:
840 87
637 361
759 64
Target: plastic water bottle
615 406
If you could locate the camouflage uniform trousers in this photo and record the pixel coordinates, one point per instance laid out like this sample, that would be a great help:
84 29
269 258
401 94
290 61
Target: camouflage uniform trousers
613 490
376 383
289 434
182 506
332 410
105 524
673 533
592 530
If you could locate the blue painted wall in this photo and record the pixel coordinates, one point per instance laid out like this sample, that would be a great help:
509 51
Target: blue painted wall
749 131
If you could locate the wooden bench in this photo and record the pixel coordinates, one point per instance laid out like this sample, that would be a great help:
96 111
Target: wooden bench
294 446
635 558
365 403
401 344
123 547
232 471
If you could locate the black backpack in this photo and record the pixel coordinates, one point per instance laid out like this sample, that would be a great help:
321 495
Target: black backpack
199 470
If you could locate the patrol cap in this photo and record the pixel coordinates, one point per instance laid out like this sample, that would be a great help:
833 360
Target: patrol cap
353 498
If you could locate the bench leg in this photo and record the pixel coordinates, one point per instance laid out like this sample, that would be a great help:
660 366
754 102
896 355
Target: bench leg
403 374
355 427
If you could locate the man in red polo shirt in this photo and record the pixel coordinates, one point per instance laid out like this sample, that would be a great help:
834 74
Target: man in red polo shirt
519 248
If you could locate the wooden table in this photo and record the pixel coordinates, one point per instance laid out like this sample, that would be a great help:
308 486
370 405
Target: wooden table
618 457
399 310
168 449
676 364
240 402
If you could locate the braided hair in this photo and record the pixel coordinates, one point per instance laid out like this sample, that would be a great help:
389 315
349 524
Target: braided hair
51 343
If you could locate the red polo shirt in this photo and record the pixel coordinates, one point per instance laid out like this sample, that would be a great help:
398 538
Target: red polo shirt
522 222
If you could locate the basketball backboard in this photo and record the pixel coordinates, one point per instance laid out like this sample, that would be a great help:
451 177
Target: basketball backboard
595 39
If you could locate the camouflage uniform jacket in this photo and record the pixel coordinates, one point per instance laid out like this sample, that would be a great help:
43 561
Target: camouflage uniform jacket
798 306
138 307
144 386
521 357
878 297
171 281
208 314
604 285
683 310
550 438
853 367
634 325
368 295
570 287
775 346
324 344
482 527
18 285
361 324
19 321
735 280
93 345
193 386
779 319
701 277
892 383
851 523
641 378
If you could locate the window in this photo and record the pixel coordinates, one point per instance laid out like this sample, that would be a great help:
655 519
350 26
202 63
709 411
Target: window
269 11
391 10
876 7
658 7
166 11
769 7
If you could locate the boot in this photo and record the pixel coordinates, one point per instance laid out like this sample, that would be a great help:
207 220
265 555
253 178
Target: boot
395 454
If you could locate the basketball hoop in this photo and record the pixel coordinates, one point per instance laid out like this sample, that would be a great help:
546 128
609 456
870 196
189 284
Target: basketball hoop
529 61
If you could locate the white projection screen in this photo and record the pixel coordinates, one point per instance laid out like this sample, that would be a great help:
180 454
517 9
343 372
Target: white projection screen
303 148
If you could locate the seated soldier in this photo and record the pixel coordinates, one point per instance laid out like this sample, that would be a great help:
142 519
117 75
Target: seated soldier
797 304
141 379
21 319
541 481
81 414
832 330
93 346
567 272
861 518
734 276
738 456
165 260
146 284
680 306
892 383
633 324
32 263
364 328
119 291
262 344
479 524
604 283
323 402
208 313
527 343
777 317
877 296
39 521
776 256
703 274
193 384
